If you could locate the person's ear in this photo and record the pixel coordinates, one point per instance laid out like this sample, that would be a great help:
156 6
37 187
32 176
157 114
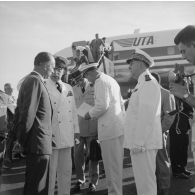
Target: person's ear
45 67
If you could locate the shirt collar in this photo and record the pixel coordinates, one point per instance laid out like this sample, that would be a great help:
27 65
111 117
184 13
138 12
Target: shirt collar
60 82
53 82
99 75
39 75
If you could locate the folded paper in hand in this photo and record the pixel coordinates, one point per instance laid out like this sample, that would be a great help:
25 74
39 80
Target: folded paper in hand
11 108
83 109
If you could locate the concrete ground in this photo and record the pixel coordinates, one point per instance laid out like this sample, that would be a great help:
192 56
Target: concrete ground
12 180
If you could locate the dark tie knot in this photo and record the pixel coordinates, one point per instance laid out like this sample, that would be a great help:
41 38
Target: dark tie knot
83 89
59 87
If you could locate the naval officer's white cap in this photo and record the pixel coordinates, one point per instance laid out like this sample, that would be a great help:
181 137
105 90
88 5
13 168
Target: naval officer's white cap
80 48
140 55
88 67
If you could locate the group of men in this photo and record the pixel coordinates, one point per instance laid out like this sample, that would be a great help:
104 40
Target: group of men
150 115
92 51
47 126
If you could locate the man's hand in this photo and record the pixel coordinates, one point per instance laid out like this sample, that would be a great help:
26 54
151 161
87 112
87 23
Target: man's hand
76 138
87 116
178 90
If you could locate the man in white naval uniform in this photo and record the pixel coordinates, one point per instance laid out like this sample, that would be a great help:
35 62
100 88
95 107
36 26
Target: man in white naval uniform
108 109
64 126
143 132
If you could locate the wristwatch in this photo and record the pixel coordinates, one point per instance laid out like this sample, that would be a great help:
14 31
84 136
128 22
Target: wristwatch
185 96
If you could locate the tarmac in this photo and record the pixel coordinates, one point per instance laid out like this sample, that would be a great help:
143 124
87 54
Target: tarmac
12 180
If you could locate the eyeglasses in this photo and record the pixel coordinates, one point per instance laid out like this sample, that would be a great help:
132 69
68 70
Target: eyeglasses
58 69
8 88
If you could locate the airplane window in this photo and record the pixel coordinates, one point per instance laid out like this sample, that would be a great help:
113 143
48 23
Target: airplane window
171 50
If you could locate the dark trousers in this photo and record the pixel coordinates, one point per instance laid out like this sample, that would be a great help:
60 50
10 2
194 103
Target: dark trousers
163 173
37 175
80 161
178 151
11 139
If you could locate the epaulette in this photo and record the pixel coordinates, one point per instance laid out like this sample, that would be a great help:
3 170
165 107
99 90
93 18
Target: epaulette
134 90
147 78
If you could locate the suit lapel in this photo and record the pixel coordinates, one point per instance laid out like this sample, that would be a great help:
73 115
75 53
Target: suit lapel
38 76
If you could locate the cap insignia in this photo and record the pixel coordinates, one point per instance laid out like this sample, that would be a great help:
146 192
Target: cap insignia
147 78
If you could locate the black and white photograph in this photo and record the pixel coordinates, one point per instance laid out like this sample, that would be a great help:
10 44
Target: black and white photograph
97 97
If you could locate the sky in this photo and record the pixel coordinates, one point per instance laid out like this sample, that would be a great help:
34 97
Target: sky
29 27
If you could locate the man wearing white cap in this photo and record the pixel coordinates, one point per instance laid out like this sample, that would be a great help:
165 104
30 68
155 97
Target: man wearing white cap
143 132
108 109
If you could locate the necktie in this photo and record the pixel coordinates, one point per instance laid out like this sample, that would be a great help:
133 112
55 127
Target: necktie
59 88
83 89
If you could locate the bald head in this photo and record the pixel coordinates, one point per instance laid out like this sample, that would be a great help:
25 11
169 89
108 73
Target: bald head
8 88
44 63
42 57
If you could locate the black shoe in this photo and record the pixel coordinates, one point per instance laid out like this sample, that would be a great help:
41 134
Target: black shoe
181 175
77 187
20 156
163 191
92 187
187 172
7 164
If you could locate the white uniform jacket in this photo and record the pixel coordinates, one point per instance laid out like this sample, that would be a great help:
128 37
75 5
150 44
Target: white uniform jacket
65 120
143 116
108 108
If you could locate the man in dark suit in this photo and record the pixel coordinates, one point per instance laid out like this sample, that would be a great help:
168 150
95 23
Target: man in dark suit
33 125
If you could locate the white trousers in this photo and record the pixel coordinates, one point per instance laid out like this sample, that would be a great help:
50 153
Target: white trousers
144 167
112 155
60 164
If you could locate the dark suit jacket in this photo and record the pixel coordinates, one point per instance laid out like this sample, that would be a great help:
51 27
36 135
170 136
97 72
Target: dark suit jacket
34 112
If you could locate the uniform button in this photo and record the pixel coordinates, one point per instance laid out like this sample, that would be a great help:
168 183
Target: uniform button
58 112
59 121
69 111
54 102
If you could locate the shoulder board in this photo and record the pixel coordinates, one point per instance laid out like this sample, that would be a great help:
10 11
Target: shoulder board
147 78
134 90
